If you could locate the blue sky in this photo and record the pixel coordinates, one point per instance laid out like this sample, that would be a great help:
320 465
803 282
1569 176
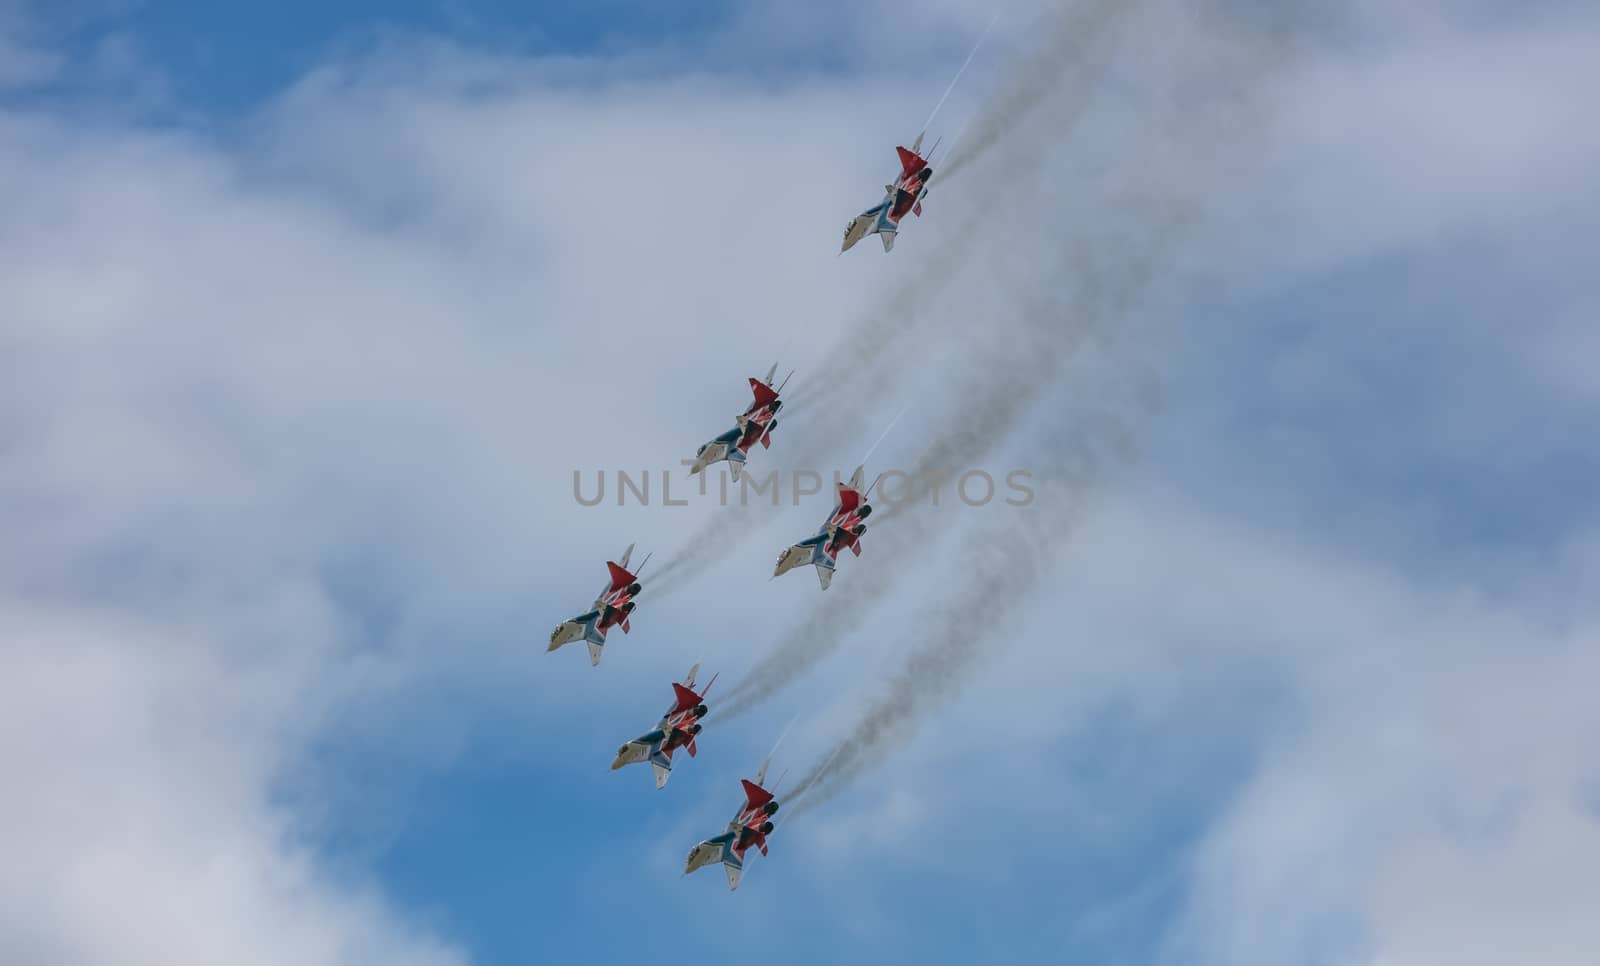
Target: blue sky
313 314
231 58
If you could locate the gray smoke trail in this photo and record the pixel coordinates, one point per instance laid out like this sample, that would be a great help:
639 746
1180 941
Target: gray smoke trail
1111 262
1007 559
732 525
1081 38
1069 65
860 373
825 630
1003 559
1107 287
994 409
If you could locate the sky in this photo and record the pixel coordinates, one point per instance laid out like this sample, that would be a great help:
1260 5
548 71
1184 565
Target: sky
310 319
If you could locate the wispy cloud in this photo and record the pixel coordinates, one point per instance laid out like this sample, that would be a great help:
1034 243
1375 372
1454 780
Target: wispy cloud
289 408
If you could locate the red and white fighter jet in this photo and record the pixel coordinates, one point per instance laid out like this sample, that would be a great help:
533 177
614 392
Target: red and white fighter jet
750 827
842 530
611 609
678 728
753 425
901 198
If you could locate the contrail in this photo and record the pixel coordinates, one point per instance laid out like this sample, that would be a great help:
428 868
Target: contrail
1003 560
983 422
881 437
732 525
1072 58
1007 558
795 797
1079 39
964 64
782 735
1071 61
1110 265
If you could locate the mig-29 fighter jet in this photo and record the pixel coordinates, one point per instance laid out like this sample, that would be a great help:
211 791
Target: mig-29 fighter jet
910 187
842 530
611 609
676 729
902 197
753 425
750 826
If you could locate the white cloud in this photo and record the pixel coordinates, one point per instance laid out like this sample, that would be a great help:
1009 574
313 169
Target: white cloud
373 332
1414 751
137 756
373 341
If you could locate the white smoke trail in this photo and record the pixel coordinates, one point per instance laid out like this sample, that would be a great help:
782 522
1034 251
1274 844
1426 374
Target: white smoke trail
964 65
1079 37
1110 262
892 334
1008 558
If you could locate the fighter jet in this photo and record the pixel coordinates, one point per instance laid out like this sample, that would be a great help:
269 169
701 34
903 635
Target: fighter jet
753 425
905 195
611 609
842 530
750 826
902 197
676 729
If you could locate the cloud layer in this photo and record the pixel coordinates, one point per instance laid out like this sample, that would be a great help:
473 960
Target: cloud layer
289 411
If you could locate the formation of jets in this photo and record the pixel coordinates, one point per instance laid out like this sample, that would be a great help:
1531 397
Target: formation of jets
679 728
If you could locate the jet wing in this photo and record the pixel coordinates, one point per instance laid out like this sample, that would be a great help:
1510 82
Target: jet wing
858 229
637 750
714 850
705 854
586 628
714 451
580 627
805 552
